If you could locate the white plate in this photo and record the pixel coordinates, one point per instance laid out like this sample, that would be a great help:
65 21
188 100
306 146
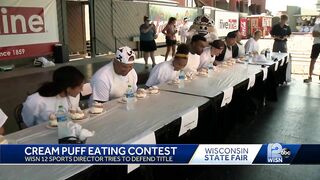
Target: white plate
149 91
85 117
141 97
201 74
172 83
193 77
90 113
125 102
51 127
154 93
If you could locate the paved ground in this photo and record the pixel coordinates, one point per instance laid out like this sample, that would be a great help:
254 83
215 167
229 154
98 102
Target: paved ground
293 119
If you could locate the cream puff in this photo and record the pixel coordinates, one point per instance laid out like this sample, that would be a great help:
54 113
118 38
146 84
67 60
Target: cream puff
153 90
53 120
96 108
141 93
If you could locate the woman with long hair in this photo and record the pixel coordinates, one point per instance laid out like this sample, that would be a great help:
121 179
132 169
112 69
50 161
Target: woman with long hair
170 31
64 89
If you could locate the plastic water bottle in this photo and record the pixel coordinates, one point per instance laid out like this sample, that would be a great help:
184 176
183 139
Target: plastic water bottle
181 79
130 98
267 54
62 119
210 69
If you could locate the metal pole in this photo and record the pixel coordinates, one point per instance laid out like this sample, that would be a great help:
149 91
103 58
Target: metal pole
64 22
93 50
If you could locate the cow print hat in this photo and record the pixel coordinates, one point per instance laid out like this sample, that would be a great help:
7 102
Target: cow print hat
125 55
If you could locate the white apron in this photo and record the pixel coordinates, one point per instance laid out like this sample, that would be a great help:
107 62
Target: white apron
119 85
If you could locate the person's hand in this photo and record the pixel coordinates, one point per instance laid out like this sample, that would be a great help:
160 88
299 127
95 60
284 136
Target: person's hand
1 131
277 37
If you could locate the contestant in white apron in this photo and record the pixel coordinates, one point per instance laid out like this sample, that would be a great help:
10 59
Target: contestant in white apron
209 53
169 70
241 51
198 43
231 49
252 45
112 80
63 90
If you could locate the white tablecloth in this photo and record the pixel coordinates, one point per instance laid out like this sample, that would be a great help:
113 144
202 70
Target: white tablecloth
117 125
222 78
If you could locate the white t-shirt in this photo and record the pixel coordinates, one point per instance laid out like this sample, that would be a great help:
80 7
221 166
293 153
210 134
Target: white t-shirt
193 63
241 51
316 40
107 85
252 45
183 30
37 109
162 73
206 58
228 53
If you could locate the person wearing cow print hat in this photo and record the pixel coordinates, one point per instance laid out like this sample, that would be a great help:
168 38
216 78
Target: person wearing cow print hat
112 80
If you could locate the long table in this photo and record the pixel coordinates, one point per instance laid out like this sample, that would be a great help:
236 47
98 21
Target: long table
116 126
236 78
222 78
160 114
226 77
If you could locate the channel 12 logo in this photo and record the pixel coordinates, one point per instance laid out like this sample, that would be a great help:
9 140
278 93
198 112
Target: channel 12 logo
276 153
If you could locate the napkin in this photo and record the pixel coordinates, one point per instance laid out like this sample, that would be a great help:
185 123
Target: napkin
227 96
42 61
76 130
252 80
276 66
265 73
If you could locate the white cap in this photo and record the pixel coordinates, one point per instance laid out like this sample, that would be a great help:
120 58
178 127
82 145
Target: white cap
125 55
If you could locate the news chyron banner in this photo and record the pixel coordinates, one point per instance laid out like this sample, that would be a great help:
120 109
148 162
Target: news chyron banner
27 28
191 154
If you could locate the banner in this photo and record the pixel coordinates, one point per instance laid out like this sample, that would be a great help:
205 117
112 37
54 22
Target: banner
160 15
27 28
193 154
226 21
243 27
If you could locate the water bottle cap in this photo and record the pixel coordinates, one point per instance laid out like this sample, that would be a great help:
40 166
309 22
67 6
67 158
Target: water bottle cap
129 85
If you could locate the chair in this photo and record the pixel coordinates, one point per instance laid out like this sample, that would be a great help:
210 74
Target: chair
86 90
85 95
18 117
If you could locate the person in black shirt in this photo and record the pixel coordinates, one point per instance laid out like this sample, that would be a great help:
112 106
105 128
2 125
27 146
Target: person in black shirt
231 49
280 32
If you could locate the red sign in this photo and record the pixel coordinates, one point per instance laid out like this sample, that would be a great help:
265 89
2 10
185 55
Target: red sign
28 28
21 20
243 27
23 51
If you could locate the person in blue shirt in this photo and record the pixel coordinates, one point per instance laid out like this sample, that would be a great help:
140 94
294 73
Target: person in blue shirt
147 42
